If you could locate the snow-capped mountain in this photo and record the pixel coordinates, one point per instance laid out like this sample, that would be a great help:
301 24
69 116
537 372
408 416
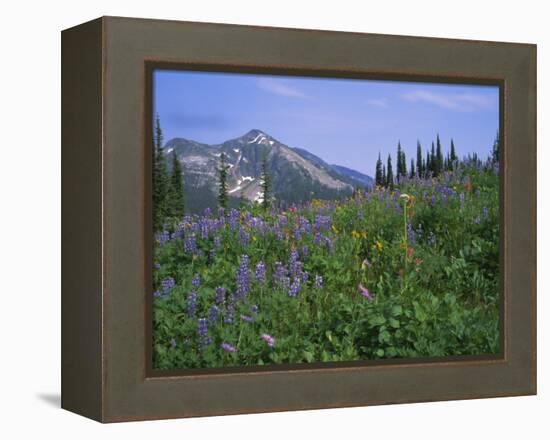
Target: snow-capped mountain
296 175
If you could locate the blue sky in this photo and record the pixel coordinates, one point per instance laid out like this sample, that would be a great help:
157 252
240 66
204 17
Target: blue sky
343 121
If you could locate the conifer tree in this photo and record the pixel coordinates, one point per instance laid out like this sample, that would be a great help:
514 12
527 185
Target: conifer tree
399 164
412 172
419 170
438 158
222 183
160 179
378 175
389 173
266 185
453 156
176 201
384 178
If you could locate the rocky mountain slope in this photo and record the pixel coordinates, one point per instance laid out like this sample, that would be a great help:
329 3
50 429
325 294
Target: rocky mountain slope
296 174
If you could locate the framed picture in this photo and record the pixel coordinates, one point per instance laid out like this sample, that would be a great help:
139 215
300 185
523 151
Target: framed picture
263 219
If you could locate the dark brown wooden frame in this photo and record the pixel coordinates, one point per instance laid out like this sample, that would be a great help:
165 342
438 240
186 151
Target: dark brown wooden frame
106 239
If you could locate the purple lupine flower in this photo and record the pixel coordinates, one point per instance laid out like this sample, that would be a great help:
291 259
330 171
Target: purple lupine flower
221 212
485 212
190 244
220 295
157 266
285 282
196 281
242 278
227 347
260 272
191 303
305 252
254 308
217 241
462 198
432 200
293 263
213 313
305 277
202 329
246 318
294 288
244 237
411 234
207 212
162 237
269 340
173 343
279 272
167 284
233 219
203 227
365 292
321 222
477 220
157 294
318 281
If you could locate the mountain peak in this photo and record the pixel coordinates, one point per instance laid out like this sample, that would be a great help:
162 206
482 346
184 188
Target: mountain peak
258 137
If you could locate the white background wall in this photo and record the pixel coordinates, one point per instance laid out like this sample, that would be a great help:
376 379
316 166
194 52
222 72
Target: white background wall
30 219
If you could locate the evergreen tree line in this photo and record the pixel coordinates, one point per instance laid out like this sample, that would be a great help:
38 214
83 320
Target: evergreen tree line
168 200
223 188
432 164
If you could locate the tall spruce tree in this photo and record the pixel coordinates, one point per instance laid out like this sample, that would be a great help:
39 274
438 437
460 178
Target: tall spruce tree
222 183
160 179
175 195
389 173
412 171
439 157
399 160
453 156
378 174
384 178
266 185
419 171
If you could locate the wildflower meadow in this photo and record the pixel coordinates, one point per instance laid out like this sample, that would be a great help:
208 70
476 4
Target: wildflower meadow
400 271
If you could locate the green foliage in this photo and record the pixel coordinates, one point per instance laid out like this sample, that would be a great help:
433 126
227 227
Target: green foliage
389 173
266 185
168 193
175 204
430 264
379 179
160 179
222 182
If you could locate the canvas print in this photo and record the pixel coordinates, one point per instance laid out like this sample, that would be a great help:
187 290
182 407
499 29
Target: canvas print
307 219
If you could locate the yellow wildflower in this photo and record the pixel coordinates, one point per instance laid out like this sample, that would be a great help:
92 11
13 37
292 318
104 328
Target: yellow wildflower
334 229
378 245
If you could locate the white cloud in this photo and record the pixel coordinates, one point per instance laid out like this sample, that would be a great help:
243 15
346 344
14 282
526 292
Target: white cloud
464 102
379 102
278 87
